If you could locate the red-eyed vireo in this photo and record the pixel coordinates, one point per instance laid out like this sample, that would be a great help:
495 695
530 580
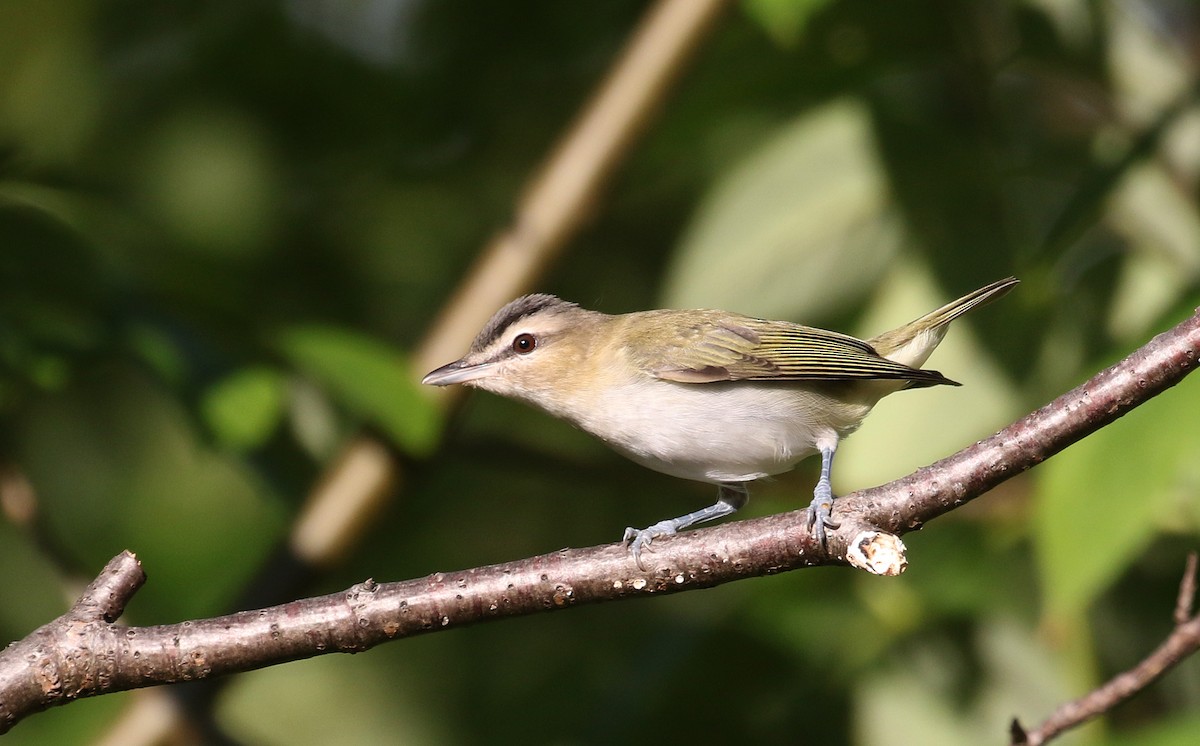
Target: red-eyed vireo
707 395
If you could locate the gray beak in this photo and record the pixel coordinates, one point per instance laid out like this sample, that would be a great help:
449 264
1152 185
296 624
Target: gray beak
458 372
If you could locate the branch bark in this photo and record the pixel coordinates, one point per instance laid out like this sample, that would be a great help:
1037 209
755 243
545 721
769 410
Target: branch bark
83 653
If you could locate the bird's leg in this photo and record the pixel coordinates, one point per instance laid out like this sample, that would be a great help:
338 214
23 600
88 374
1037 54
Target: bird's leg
821 507
730 498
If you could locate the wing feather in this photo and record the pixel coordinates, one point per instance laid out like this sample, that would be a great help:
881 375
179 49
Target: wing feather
717 346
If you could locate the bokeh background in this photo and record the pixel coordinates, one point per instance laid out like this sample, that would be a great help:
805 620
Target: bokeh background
225 225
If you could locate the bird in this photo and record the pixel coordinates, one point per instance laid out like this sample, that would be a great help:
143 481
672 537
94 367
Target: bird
706 395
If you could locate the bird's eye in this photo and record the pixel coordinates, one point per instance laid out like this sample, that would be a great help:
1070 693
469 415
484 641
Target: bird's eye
524 344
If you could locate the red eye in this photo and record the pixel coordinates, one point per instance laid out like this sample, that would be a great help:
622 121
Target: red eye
524 344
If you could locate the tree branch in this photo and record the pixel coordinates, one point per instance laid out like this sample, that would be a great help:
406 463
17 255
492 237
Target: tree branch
83 654
72 656
1182 642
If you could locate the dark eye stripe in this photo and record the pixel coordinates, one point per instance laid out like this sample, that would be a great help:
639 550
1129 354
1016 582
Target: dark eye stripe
525 306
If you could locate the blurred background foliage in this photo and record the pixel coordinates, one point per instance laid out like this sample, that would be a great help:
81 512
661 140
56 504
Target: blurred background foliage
225 224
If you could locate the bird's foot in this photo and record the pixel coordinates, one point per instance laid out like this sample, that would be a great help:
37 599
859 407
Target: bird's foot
820 514
641 538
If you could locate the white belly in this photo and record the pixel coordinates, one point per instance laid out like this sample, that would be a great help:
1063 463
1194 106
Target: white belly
720 432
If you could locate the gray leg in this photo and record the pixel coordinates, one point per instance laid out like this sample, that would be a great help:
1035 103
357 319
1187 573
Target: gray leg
730 498
821 507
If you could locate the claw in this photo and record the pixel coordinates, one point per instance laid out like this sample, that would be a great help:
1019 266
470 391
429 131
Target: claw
730 497
641 538
820 517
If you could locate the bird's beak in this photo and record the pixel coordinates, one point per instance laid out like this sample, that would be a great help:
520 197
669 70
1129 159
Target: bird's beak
459 371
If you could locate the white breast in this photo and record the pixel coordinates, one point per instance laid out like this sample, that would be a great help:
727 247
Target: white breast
718 432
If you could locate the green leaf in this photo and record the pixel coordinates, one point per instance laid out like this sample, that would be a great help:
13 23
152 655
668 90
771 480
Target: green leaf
1101 501
157 350
783 20
920 698
244 409
1162 228
200 519
1178 731
804 226
369 378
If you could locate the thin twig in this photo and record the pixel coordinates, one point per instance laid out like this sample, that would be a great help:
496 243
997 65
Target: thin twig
1185 604
1182 642
100 657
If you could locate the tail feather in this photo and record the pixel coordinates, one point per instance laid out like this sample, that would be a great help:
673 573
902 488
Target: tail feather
912 343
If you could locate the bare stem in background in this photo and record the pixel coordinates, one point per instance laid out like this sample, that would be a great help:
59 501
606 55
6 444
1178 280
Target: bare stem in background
554 205
563 193
1182 642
